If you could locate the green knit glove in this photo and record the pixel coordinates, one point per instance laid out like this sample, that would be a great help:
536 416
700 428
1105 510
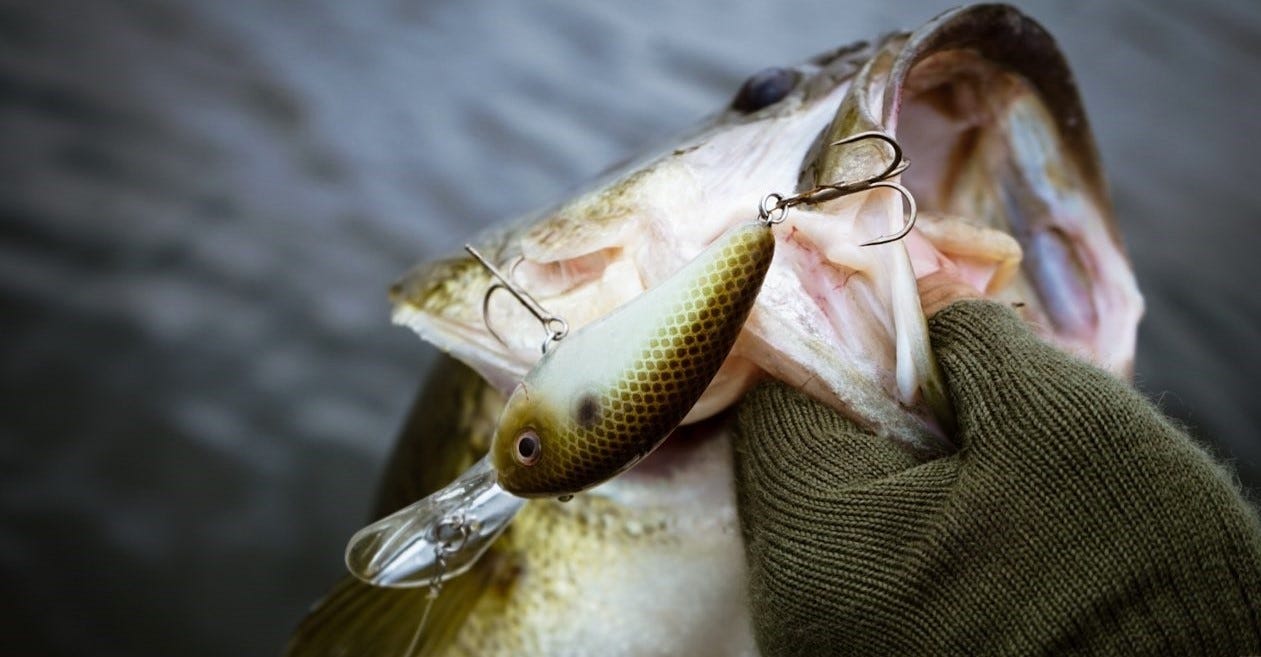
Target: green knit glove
1074 519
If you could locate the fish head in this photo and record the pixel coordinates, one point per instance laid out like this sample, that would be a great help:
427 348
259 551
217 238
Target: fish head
1003 165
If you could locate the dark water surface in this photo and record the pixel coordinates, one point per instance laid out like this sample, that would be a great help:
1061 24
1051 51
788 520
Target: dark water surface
204 202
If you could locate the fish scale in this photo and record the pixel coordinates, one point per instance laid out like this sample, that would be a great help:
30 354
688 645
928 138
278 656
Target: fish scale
673 339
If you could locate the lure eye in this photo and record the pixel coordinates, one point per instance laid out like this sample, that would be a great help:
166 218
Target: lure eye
528 448
763 89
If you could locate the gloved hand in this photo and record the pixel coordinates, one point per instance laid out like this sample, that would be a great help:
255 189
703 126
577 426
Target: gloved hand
1075 518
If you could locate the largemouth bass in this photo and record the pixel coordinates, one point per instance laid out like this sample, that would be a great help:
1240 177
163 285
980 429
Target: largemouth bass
1010 194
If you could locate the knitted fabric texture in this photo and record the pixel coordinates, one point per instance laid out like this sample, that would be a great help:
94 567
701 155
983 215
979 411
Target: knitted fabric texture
1074 518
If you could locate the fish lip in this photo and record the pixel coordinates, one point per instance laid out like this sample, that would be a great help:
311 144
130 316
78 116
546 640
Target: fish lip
999 33
1004 35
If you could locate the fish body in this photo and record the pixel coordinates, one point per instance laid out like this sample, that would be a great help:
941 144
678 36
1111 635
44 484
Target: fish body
606 396
1011 196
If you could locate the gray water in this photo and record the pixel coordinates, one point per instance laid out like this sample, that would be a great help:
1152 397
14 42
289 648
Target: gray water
204 202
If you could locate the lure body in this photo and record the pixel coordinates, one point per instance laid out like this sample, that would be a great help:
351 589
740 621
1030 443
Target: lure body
610 393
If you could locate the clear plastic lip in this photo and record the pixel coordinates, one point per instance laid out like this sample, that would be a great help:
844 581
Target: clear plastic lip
436 538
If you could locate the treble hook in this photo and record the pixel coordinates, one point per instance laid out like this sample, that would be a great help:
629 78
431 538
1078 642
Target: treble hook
896 166
556 327
775 206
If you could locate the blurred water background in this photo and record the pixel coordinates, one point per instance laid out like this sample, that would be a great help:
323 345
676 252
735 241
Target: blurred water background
204 202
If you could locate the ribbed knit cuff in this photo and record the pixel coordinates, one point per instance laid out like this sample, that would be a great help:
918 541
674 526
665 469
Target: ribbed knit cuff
1075 518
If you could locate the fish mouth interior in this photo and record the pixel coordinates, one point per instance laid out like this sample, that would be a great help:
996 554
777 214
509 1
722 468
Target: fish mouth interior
952 102
985 148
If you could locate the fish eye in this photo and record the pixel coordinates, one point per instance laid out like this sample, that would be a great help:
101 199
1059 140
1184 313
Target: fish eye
528 448
763 89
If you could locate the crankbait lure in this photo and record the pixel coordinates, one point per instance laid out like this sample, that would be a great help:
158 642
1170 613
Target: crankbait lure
614 390
599 403
589 410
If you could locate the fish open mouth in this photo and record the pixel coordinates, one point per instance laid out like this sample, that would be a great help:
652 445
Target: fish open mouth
1004 170
1001 143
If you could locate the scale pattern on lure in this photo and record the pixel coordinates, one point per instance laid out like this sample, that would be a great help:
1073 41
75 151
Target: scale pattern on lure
605 399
